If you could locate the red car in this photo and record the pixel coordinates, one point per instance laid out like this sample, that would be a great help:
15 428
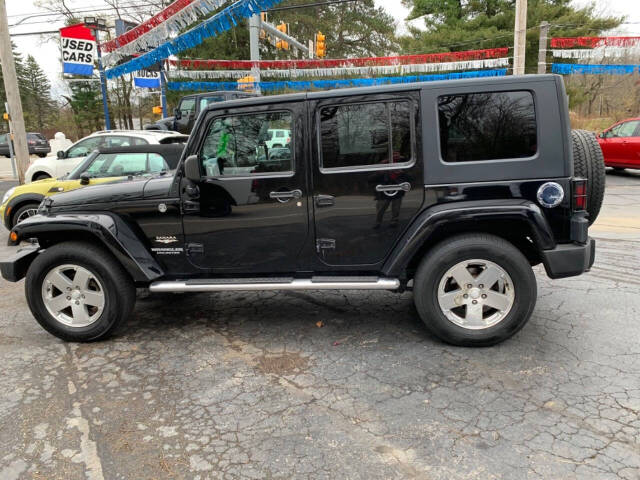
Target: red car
621 144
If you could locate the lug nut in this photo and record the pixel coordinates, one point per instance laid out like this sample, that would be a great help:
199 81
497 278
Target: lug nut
469 285
481 286
474 301
465 296
484 295
77 302
68 298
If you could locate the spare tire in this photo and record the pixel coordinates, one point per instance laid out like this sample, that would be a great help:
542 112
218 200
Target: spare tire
588 162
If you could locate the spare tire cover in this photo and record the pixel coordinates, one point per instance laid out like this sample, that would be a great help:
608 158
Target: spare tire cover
588 162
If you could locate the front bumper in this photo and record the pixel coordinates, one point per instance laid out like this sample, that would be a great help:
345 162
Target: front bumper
15 268
569 260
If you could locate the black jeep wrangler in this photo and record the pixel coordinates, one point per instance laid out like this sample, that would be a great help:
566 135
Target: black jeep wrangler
452 189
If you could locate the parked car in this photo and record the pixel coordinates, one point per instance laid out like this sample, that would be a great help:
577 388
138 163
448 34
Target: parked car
278 137
36 142
190 106
104 165
67 160
620 144
378 193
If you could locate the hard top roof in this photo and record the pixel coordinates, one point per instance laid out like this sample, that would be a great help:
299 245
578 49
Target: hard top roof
490 82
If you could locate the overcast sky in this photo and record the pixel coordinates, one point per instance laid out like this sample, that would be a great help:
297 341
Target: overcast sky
46 51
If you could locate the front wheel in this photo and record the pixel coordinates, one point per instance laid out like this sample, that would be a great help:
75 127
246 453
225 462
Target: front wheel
79 292
25 211
474 290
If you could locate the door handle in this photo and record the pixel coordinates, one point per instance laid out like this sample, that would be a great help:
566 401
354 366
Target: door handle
285 196
325 200
404 186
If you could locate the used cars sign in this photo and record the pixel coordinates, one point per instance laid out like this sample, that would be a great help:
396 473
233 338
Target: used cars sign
78 45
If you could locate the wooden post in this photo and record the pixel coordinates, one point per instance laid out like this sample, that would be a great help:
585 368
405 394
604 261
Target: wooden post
542 47
520 37
13 95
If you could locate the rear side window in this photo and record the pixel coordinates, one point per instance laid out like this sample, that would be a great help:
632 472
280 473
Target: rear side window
365 135
487 126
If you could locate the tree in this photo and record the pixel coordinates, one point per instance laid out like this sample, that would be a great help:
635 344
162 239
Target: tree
86 103
23 84
38 105
463 25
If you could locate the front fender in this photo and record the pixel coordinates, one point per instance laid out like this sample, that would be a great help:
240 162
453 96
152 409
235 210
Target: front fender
110 230
470 213
15 203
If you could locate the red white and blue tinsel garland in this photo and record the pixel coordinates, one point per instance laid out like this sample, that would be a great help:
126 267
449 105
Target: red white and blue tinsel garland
218 23
328 84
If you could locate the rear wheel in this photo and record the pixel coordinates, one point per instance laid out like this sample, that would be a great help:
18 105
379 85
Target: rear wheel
42 155
474 290
588 162
25 211
79 292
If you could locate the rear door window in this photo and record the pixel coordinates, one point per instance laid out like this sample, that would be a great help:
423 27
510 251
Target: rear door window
487 126
365 136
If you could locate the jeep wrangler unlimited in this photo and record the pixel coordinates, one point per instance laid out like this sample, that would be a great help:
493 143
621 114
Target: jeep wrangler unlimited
452 189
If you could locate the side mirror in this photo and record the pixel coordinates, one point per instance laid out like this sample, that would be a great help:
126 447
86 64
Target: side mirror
177 114
192 168
84 178
61 154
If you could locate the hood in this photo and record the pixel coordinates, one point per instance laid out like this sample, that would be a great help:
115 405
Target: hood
104 194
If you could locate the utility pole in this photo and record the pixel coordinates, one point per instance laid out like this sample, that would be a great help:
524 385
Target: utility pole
254 48
520 37
13 95
542 47
163 91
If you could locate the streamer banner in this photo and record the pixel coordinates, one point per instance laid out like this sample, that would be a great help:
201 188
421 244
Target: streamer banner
343 62
142 39
146 79
77 45
346 71
214 25
329 84
593 42
599 53
589 69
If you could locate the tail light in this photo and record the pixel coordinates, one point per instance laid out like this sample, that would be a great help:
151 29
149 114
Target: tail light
32 142
579 194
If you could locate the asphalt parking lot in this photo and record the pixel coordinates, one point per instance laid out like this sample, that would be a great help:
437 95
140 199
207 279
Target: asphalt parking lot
336 385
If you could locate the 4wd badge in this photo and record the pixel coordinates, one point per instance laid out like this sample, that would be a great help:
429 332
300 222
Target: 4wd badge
166 239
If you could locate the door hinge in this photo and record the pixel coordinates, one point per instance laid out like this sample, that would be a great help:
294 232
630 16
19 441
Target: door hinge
325 244
194 249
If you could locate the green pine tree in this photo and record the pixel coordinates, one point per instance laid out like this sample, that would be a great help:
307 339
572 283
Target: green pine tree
38 107
453 25
23 83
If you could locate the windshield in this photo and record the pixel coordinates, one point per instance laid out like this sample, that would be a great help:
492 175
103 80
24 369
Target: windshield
101 165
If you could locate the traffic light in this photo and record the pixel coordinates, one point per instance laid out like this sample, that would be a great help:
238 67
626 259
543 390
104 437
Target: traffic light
281 44
263 18
246 83
321 48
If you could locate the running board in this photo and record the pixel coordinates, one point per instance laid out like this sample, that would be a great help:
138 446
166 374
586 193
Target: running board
253 284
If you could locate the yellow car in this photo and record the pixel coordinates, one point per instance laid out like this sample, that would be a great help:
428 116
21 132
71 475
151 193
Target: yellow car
101 166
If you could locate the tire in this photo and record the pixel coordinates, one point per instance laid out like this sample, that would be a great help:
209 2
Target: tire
40 176
23 212
42 155
618 169
107 277
588 162
519 289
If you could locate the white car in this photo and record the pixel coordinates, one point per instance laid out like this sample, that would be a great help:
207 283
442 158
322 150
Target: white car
278 137
66 160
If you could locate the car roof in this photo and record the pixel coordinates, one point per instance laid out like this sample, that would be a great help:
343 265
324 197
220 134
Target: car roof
171 152
489 82
139 133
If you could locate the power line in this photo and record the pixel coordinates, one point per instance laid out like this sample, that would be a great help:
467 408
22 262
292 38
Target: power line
309 5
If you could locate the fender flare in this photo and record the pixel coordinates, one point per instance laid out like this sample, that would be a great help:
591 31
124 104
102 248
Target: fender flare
16 202
434 218
110 230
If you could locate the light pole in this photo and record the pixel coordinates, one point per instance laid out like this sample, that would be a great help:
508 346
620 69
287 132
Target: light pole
99 25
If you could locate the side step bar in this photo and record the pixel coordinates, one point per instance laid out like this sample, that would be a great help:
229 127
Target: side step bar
253 284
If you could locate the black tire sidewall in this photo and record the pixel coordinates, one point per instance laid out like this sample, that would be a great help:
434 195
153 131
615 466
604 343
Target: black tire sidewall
33 289
435 265
18 212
